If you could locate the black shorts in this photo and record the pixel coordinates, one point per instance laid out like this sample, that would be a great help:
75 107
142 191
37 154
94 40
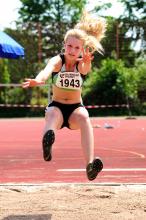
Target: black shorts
66 110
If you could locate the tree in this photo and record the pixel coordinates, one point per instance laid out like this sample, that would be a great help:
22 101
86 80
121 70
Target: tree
22 68
134 9
4 72
134 17
51 19
113 83
125 31
140 66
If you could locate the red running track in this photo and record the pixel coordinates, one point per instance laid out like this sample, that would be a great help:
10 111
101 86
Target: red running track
122 148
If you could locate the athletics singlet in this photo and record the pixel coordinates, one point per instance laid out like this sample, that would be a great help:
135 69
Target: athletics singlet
67 80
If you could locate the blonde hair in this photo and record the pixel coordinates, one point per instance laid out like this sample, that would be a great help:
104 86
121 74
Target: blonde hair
90 30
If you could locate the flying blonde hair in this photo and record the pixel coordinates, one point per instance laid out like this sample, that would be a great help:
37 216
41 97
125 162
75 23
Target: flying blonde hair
90 30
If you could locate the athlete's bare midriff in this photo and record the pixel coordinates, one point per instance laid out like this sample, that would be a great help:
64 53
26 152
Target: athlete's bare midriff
65 96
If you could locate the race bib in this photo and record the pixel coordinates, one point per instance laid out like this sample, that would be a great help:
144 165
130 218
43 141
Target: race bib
68 80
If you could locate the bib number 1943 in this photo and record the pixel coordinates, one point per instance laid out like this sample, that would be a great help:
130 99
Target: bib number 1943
74 83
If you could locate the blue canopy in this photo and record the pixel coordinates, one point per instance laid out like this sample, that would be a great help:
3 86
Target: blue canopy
9 48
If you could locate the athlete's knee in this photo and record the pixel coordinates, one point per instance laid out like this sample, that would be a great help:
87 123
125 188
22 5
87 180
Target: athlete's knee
51 114
83 118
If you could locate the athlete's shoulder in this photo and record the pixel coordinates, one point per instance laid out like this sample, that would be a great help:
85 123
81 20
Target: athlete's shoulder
56 61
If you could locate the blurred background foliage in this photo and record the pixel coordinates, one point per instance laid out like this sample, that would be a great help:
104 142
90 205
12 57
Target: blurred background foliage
117 77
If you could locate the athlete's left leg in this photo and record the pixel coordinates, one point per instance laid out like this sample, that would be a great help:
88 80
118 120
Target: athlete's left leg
79 119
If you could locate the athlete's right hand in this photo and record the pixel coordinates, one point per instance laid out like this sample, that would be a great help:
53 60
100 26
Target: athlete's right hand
32 83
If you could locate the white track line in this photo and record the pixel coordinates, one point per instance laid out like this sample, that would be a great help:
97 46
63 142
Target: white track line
107 170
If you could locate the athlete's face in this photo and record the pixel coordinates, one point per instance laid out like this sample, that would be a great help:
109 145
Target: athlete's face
73 48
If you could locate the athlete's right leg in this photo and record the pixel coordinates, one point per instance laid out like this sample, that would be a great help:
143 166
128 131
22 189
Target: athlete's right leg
53 121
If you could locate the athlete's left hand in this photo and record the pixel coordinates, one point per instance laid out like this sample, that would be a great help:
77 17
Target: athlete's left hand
87 56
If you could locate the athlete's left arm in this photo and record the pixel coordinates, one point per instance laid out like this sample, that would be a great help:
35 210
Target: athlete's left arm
85 61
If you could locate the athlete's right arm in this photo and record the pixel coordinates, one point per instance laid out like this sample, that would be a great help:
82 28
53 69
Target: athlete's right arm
53 64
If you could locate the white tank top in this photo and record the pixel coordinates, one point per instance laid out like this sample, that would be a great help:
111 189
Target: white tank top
68 80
